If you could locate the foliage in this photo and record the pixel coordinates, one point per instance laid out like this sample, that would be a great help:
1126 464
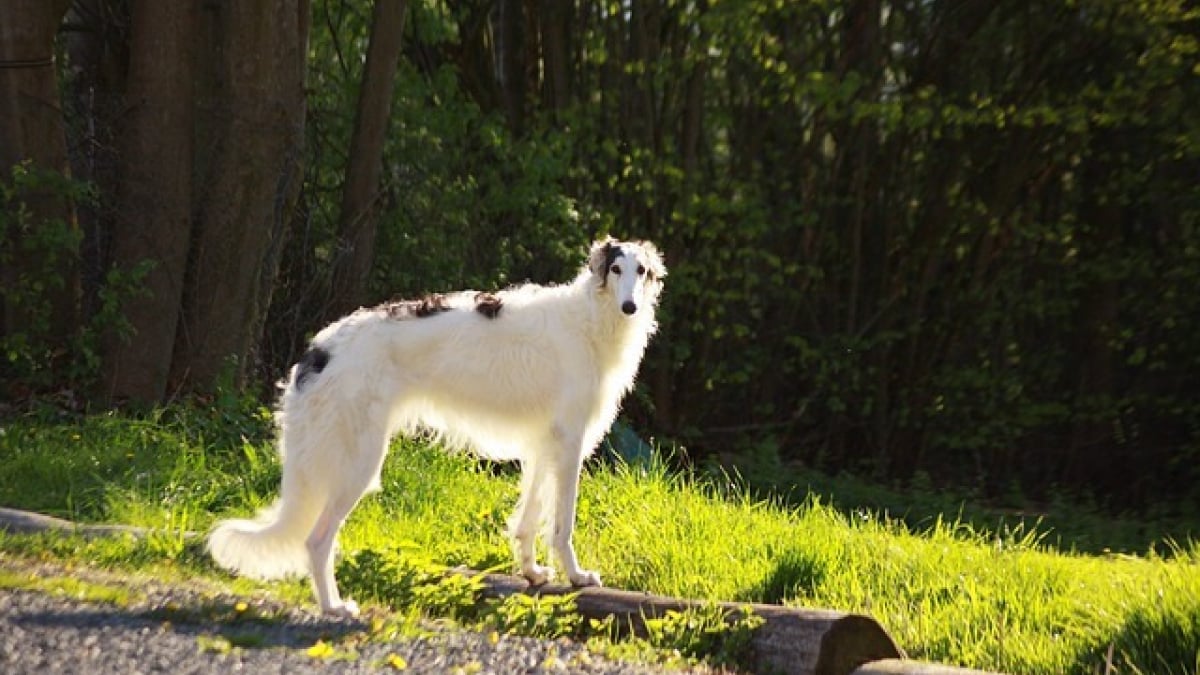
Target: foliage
409 581
708 630
36 355
548 616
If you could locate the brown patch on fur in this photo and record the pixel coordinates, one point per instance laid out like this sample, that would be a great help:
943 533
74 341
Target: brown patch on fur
407 309
311 364
488 304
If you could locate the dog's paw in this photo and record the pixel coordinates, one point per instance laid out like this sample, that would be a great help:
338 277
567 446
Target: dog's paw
537 574
346 609
585 578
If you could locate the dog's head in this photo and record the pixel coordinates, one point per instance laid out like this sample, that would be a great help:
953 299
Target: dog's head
632 271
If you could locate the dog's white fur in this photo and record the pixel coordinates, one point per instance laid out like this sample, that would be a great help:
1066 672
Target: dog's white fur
540 382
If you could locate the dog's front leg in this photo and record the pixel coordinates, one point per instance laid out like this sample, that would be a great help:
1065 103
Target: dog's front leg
566 493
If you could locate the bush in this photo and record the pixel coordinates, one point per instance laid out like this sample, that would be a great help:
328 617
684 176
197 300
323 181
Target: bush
42 343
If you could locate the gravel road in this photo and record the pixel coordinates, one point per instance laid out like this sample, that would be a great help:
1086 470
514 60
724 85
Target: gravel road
174 630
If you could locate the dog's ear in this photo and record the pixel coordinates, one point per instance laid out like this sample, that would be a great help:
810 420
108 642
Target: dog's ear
654 261
599 257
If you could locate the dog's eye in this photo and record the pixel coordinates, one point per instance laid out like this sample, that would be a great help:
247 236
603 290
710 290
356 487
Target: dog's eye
616 269
641 270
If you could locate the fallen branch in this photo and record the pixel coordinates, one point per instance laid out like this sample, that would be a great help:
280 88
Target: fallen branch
28 522
905 667
790 640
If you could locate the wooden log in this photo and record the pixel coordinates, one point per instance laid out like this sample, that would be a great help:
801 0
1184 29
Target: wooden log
27 522
791 640
903 667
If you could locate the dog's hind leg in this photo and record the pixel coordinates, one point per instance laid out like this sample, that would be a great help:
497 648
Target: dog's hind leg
320 545
365 461
523 525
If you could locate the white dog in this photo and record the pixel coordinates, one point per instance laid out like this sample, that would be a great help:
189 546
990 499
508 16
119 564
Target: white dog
533 373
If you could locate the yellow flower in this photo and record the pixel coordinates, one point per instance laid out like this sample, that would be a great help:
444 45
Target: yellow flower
320 650
397 662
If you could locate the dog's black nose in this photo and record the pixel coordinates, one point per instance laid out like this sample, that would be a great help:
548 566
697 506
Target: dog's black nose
628 307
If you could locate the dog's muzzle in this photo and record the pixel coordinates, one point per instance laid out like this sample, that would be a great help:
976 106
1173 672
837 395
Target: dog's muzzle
629 307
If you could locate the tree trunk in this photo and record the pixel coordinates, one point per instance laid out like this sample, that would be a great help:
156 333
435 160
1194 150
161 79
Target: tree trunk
1096 326
511 57
555 27
98 50
253 130
153 219
31 129
861 54
360 193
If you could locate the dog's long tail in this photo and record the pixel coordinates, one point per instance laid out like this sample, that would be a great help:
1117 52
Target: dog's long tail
270 546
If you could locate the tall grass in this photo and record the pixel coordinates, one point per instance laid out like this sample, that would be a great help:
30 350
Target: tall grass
948 591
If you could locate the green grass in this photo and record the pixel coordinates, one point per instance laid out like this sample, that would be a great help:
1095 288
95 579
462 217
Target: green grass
947 589
78 589
1068 523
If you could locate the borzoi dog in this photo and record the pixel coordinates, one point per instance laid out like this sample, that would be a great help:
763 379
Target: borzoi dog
532 373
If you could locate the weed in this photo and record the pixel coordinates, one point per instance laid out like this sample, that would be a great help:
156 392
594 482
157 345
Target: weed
544 616
393 661
401 580
328 651
215 644
705 632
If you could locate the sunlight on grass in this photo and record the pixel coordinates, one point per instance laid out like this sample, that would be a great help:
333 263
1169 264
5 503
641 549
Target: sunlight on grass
72 588
947 593
437 502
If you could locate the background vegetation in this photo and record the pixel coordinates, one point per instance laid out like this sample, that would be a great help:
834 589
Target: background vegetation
950 241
